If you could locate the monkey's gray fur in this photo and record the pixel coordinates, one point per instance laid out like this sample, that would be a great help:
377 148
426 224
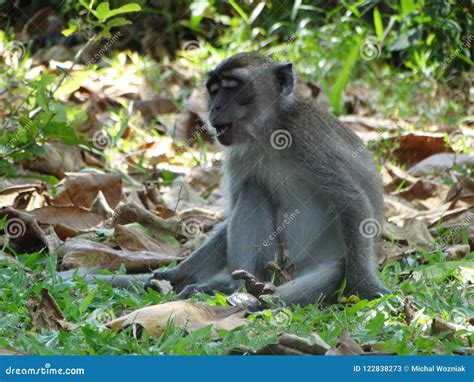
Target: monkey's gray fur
323 177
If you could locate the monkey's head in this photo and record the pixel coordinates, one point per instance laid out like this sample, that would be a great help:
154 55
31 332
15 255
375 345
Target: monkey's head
244 91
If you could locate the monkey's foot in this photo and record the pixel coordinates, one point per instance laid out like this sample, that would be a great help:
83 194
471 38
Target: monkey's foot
367 290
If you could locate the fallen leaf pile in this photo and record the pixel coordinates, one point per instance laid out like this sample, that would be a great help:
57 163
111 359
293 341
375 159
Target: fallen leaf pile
136 200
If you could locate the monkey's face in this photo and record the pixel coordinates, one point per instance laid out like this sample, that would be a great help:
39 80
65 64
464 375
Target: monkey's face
243 92
232 99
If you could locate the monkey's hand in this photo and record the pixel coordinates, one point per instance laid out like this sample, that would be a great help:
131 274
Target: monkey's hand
265 292
168 275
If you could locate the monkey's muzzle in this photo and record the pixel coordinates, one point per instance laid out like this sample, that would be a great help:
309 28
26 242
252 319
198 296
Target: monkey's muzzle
223 133
222 128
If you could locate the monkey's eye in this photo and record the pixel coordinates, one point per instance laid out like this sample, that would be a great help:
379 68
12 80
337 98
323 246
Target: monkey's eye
230 84
214 88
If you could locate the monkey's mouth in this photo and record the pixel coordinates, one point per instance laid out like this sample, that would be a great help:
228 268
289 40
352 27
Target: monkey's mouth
222 128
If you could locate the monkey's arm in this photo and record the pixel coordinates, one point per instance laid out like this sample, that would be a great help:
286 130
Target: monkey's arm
361 273
205 262
353 204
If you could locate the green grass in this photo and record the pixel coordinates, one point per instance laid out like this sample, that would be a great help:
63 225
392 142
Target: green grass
380 323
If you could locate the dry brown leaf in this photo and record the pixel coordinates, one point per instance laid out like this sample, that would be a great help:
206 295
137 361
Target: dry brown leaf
398 209
389 252
22 230
57 160
345 346
197 102
81 189
46 314
181 196
358 122
456 218
203 178
290 344
133 239
423 189
462 191
436 164
439 325
5 351
72 218
25 197
157 226
77 253
92 161
184 314
155 106
414 147
186 126
101 207
414 232
313 345
457 252
393 177
409 311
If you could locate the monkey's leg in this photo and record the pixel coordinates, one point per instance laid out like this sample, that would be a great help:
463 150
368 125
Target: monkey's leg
222 282
250 232
361 273
319 284
207 261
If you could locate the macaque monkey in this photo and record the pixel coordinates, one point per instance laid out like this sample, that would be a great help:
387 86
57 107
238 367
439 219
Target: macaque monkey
296 180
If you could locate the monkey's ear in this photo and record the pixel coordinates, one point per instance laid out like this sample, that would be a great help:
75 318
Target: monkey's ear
285 77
